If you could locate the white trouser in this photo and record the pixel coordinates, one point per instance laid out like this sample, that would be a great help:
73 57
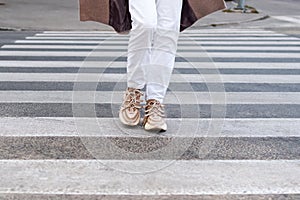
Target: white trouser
152 45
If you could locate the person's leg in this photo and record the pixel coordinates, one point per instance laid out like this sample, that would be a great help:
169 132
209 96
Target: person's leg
158 73
144 21
143 14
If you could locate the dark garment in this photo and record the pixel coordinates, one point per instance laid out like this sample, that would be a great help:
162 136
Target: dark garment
116 12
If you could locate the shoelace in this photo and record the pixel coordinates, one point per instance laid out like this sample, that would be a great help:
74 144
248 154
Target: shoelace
132 99
155 108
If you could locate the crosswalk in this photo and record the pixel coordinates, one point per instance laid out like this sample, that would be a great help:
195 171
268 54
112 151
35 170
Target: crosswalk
233 110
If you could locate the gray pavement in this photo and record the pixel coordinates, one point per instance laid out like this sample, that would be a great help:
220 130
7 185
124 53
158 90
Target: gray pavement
283 17
259 133
8 37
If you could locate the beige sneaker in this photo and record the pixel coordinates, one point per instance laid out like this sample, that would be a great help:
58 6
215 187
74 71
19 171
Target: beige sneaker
129 113
154 116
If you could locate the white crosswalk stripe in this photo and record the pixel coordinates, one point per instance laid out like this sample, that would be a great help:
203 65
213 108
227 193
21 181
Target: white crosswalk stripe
292 19
59 101
100 64
123 48
186 38
122 54
124 43
221 177
66 126
176 78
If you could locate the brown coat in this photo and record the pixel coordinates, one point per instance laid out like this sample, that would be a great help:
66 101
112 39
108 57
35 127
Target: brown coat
116 13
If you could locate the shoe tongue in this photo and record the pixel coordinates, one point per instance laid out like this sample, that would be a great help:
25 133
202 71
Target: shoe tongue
131 89
152 101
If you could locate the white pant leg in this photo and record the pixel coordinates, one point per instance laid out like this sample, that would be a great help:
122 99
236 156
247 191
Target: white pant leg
157 20
144 21
159 72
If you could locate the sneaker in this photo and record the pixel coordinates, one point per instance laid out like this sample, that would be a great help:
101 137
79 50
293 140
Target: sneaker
129 113
154 116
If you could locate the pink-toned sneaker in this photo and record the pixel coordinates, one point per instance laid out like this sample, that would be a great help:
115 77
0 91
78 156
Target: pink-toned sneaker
154 116
129 113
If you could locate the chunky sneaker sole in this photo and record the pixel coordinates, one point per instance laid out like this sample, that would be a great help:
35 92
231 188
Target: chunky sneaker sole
129 118
154 116
155 127
129 113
